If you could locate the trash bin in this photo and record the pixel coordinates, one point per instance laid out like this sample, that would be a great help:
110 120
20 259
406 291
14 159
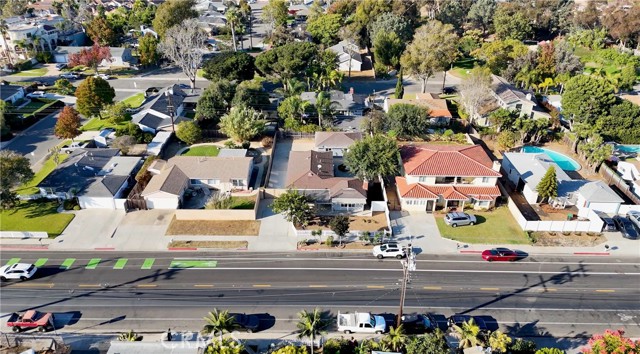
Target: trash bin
569 216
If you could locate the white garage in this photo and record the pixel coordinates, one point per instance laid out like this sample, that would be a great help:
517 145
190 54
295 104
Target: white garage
165 190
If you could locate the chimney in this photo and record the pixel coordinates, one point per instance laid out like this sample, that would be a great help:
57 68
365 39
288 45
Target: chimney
529 96
351 90
496 166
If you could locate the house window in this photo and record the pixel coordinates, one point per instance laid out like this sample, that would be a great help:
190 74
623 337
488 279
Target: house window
422 179
347 205
195 181
213 181
327 149
485 179
237 182
519 106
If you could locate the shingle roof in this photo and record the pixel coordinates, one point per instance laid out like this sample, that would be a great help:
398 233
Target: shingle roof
336 139
447 160
449 192
598 192
170 181
507 92
346 49
6 91
222 168
339 99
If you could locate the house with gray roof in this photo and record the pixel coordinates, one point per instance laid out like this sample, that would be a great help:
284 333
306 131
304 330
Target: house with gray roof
119 56
99 178
349 57
344 104
11 93
167 187
336 142
165 110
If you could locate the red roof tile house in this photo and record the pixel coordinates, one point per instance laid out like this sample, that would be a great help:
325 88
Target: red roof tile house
447 176
312 173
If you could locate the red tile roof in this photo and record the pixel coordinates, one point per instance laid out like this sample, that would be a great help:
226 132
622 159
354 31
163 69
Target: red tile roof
447 160
415 190
449 192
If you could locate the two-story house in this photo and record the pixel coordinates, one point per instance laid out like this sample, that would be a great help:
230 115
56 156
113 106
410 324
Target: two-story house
38 33
165 110
447 176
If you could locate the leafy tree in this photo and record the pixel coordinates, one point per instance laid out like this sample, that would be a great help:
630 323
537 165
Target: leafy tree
296 207
14 8
4 128
64 87
101 32
218 322
481 13
549 351
628 76
148 49
232 66
453 13
407 120
623 24
373 156
92 95
242 123
387 48
511 25
312 324
124 143
565 60
399 87
390 22
117 113
499 53
293 108
468 334
523 346
134 130
611 342
171 13
470 42
434 48
395 339
507 139
374 122
14 169
91 57
67 124
366 12
252 94
622 124
287 61
189 132
595 151
586 98
224 346
340 226
499 342
474 90
215 101
432 343
181 44
292 349
503 119
325 28
275 15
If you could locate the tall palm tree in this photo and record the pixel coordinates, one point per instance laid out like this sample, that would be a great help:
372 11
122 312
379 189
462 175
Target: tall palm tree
499 342
395 339
323 107
233 17
130 336
218 322
468 334
292 87
312 324
4 30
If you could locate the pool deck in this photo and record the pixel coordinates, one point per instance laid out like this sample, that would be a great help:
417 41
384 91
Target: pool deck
583 173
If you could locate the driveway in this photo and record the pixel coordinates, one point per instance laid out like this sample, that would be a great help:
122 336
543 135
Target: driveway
90 229
278 176
35 142
419 229
143 230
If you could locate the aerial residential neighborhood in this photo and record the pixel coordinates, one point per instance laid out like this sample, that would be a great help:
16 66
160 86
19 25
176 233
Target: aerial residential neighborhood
320 176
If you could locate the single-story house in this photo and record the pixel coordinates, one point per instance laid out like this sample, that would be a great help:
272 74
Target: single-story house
164 111
224 174
312 173
99 178
119 56
438 110
346 104
525 171
336 142
158 143
11 93
349 58
447 176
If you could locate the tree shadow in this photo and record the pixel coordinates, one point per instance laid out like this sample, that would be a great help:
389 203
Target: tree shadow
533 331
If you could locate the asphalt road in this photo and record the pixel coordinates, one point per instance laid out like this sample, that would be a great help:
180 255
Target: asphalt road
36 141
561 297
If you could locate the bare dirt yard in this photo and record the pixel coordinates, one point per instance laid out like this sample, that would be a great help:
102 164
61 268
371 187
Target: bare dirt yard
573 239
214 227
210 244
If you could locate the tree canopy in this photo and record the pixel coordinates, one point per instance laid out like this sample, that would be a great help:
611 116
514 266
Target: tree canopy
171 13
511 24
296 207
287 61
68 124
92 95
325 28
242 123
189 132
407 120
91 57
232 66
215 101
390 22
586 98
148 49
373 156
431 343
252 94
182 45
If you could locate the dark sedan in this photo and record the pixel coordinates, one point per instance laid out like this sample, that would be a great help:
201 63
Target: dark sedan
247 323
422 323
626 227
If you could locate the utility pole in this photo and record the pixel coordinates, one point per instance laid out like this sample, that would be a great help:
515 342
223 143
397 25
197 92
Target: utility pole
408 265
170 109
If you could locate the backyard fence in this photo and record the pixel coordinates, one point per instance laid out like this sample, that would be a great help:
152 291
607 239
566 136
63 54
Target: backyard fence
593 224
613 178
270 163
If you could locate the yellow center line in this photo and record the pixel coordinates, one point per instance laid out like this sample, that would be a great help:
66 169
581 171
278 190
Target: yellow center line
261 285
317 286
490 289
203 285
375 286
432 288
89 285
605 291
146 286
34 285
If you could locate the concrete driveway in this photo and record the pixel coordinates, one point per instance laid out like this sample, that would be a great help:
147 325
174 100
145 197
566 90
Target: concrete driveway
278 174
90 229
419 229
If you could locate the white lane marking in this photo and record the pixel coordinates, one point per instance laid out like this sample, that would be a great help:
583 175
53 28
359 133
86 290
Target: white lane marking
219 268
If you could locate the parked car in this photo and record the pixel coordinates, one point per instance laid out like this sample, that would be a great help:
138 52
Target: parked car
634 216
627 228
389 250
499 254
37 94
102 76
609 225
31 319
61 66
421 323
247 323
69 148
459 319
361 322
456 219
42 83
22 271
70 76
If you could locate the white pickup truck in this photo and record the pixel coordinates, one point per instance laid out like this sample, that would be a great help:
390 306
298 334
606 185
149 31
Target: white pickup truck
358 322
72 147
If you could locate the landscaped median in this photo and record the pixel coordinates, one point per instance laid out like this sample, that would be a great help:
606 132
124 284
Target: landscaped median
493 227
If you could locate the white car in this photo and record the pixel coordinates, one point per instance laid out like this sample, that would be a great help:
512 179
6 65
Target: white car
22 271
69 76
37 94
102 76
389 250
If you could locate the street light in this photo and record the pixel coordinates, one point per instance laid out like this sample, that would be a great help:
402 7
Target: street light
408 265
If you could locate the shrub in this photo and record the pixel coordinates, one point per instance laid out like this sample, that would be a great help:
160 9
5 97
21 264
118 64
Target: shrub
329 241
229 144
246 144
76 207
24 65
44 57
267 142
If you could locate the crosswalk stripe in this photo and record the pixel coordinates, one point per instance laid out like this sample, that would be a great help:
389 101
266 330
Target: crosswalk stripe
148 263
120 263
67 263
93 263
13 261
40 262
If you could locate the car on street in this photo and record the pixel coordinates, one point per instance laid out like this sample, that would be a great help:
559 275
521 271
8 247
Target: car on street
70 76
244 322
634 216
42 83
61 66
456 219
21 271
500 255
459 319
418 323
31 319
389 250
102 76
626 227
37 94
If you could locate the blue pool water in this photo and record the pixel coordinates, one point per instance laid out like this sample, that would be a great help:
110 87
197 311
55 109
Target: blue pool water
564 162
629 148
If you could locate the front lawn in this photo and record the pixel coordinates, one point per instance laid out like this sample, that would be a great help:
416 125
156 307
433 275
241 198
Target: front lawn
214 227
494 227
99 124
462 66
35 216
202 150
47 167
134 101
30 107
32 72
243 202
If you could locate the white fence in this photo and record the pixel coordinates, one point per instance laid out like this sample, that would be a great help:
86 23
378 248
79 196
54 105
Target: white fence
624 208
594 224
23 234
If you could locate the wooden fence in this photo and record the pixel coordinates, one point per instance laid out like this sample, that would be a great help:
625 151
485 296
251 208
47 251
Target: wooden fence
612 178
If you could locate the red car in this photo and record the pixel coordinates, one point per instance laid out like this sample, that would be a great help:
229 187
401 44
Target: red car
499 255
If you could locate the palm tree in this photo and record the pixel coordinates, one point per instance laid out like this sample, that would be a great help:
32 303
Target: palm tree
468 334
395 339
4 30
233 17
499 342
218 322
312 324
130 336
323 107
292 87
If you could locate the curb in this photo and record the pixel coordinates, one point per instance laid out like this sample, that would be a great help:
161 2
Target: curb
592 253
25 248
104 249
473 252
182 249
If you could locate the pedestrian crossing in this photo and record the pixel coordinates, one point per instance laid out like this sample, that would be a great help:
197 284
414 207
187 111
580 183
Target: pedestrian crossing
118 263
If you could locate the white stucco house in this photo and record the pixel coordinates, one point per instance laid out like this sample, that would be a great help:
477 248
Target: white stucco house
120 57
336 142
349 58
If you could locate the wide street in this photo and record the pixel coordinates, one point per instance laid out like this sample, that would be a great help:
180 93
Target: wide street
537 296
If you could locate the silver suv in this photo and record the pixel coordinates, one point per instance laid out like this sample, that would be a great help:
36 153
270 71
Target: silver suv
459 219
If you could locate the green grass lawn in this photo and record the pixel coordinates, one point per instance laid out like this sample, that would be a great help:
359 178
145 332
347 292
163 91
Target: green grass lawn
32 72
134 101
47 167
463 65
99 124
243 203
202 150
493 227
35 216
30 107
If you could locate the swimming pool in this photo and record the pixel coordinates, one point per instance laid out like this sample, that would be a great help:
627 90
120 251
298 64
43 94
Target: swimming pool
564 162
628 148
